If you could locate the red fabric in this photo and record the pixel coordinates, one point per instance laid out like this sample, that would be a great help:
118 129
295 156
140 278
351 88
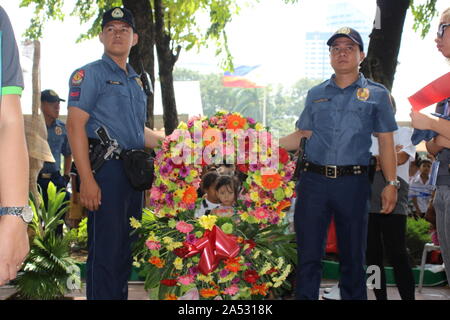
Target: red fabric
331 239
434 92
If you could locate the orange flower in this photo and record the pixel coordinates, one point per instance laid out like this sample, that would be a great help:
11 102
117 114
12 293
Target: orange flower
271 181
233 264
283 205
259 289
209 293
236 122
171 296
190 195
157 262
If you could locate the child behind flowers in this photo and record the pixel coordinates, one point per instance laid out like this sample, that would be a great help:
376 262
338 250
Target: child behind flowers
227 189
209 199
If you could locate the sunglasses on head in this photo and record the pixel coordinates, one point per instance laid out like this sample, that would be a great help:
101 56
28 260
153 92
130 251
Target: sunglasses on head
441 29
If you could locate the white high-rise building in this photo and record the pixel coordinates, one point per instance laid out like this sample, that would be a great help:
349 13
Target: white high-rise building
339 14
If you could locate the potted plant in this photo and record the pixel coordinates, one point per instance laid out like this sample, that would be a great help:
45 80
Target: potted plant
48 272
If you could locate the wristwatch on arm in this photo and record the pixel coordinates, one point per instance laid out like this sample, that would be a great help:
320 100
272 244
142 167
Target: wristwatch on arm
395 183
24 212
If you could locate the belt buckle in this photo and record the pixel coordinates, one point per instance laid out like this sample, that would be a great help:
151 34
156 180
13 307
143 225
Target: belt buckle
328 174
46 175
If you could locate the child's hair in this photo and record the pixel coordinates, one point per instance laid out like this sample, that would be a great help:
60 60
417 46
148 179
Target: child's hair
231 181
208 180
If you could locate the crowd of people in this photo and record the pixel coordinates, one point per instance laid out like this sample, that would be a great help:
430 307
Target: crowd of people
359 168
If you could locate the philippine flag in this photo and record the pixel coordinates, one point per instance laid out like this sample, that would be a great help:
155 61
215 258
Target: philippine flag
242 77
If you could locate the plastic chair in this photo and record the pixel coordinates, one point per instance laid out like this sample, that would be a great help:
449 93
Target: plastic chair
427 248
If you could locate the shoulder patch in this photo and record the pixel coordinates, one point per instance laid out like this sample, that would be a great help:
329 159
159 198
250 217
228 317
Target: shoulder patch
74 94
78 77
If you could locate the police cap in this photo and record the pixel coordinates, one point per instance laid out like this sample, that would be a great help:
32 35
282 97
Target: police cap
347 32
50 96
119 14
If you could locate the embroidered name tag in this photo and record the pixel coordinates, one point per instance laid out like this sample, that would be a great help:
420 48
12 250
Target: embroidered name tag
322 100
114 82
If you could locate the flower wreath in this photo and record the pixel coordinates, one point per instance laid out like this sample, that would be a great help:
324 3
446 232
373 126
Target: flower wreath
239 257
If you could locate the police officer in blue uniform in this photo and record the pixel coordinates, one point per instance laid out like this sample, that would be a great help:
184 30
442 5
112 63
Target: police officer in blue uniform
108 93
59 145
339 117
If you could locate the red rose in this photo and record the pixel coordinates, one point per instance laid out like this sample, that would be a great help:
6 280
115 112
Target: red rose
251 276
284 155
251 244
169 282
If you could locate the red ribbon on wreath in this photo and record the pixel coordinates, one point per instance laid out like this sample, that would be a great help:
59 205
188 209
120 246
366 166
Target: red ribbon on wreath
214 246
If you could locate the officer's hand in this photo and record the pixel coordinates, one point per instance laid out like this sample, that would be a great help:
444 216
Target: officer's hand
388 199
90 194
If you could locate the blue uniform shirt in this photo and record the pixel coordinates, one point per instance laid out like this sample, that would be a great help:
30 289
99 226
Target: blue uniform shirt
59 144
113 99
342 121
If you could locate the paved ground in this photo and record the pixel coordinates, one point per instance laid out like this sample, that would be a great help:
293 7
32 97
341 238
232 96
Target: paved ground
137 292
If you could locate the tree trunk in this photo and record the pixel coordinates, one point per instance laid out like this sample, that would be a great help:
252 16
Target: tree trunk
166 61
381 61
144 50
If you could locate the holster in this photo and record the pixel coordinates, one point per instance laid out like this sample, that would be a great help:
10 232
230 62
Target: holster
139 168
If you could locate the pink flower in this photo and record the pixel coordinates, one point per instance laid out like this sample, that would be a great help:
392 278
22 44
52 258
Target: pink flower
260 213
184 227
155 194
186 280
153 245
231 290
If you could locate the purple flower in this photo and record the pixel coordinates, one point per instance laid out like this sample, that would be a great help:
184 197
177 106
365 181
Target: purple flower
224 273
251 121
169 199
253 167
190 238
194 271
165 170
248 264
184 172
235 280
275 220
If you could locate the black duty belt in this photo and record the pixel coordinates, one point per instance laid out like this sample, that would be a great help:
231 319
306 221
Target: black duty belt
334 171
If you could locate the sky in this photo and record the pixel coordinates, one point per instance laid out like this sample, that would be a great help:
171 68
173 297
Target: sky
270 34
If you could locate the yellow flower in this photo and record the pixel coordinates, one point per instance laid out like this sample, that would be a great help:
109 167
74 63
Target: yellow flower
167 240
135 223
229 277
288 192
280 263
259 127
277 284
256 254
152 237
207 222
183 125
207 279
178 263
254 196
173 245
179 193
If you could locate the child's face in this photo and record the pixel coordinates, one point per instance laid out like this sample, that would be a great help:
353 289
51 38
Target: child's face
425 168
226 195
211 194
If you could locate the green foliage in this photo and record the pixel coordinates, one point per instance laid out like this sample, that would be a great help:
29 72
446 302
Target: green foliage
423 14
79 236
48 269
417 234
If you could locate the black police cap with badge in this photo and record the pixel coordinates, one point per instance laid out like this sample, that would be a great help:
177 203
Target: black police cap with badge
50 96
119 14
347 32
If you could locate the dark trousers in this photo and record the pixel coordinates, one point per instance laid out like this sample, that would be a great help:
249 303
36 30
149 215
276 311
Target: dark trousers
318 198
109 241
386 234
59 183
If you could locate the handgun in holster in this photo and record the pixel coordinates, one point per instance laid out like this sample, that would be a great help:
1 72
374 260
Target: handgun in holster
301 157
104 150
372 168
